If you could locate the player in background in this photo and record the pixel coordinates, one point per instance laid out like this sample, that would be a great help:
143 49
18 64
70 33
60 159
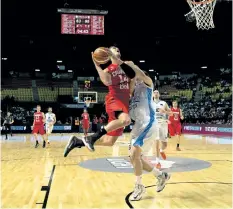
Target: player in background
50 120
142 111
85 122
38 125
174 125
117 77
9 120
162 110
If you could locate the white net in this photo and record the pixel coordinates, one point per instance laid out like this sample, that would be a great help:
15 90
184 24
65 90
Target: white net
203 12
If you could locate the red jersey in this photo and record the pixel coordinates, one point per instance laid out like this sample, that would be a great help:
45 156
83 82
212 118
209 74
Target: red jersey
175 118
38 118
85 116
119 91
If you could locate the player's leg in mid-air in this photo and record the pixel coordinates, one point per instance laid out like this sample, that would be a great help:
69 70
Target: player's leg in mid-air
49 129
161 137
141 142
106 136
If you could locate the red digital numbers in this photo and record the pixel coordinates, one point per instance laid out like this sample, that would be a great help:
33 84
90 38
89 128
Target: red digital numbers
82 24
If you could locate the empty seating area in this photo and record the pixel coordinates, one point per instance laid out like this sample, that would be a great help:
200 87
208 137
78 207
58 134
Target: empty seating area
47 94
217 91
169 91
20 94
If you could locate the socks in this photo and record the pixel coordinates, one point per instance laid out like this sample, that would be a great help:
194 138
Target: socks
157 160
161 150
98 135
138 179
156 172
178 145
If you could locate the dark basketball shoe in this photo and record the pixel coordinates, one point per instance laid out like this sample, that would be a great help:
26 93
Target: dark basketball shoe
37 144
89 143
44 143
73 142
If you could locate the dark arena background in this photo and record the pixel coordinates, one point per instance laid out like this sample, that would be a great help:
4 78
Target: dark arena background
46 60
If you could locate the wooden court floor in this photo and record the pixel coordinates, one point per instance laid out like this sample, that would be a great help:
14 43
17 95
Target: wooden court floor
43 178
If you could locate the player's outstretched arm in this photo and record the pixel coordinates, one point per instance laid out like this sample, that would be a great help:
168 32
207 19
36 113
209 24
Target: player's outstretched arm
140 74
105 77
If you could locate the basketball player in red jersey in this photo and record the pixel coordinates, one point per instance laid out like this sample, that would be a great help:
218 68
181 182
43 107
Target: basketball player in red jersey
117 77
174 125
38 125
85 122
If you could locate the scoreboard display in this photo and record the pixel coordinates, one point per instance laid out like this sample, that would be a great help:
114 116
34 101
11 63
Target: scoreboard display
85 24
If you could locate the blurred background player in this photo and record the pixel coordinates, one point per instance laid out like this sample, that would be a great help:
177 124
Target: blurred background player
174 125
162 110
117 77
38 125
9 120
142 111
50 120
85 122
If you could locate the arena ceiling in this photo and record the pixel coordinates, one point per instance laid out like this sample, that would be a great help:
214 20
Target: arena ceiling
156 32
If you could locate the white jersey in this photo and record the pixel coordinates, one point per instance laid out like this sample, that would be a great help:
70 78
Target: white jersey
161 117
142 107
49 117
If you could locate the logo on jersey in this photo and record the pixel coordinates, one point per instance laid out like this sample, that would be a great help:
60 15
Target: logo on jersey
123 165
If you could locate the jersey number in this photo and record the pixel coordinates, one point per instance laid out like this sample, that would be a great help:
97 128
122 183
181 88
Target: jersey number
37 118
123 85
176 116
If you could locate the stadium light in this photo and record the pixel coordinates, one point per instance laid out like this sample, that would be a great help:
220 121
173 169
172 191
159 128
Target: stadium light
142 61
59 61
4 58
37 70
204 67
70 71
151 70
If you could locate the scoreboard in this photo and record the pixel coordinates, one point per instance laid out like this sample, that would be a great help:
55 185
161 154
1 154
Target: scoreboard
82 24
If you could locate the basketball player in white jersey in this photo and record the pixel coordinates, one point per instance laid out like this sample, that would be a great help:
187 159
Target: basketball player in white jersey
50 120
142 111
162 111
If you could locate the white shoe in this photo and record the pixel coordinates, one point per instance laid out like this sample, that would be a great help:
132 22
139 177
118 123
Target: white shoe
138 192
162 179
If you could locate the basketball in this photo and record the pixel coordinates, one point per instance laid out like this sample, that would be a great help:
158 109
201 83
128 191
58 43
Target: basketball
101 55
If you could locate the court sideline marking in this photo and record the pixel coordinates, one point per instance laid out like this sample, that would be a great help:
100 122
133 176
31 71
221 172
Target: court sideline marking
47 189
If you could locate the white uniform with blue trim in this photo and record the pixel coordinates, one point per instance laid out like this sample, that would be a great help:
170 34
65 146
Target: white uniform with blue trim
161 119
49 118
142 111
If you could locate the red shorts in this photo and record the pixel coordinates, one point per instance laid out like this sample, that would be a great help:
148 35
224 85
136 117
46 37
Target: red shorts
174 129
86 125
112 107
38 128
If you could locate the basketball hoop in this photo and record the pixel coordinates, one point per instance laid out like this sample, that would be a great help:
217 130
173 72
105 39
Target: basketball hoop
203 12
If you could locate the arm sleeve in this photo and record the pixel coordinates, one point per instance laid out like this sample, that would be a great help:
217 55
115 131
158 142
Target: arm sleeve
128 71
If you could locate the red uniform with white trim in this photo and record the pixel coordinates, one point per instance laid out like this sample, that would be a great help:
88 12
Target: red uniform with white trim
85 121
118 97
38 123
174 125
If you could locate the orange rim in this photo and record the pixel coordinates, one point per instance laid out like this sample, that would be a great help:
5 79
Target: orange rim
204 2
